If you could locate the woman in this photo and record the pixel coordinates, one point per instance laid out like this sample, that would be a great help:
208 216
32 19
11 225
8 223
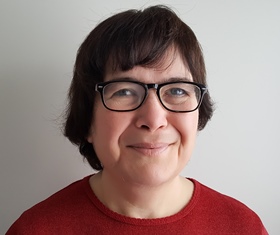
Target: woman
137 99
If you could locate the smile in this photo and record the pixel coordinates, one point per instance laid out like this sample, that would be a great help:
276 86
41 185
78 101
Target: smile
149 149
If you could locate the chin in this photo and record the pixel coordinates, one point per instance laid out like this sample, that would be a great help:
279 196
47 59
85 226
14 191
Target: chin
153 176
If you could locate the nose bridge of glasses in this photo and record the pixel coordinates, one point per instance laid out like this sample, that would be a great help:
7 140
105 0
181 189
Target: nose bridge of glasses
152 85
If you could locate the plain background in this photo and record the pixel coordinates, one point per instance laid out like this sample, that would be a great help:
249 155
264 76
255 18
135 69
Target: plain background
238 152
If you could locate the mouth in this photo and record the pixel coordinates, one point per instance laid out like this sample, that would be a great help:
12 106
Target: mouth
149 149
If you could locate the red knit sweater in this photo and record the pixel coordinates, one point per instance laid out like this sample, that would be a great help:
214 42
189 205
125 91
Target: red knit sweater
76 210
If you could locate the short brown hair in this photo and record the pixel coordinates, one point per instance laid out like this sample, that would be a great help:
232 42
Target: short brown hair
128 39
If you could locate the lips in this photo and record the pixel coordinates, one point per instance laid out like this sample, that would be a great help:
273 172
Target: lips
149 149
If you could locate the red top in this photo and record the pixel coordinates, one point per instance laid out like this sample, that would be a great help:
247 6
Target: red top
76 210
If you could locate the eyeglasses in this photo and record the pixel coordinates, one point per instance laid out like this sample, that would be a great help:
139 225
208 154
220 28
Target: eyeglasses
124 96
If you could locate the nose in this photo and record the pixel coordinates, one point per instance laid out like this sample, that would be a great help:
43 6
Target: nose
151 115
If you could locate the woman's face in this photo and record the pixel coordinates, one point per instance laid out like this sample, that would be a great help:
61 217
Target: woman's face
151 145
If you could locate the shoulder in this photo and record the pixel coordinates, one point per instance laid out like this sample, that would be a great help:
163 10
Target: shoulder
58 208
211 197
229 212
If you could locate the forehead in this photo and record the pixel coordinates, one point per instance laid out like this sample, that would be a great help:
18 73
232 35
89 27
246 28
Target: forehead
171 66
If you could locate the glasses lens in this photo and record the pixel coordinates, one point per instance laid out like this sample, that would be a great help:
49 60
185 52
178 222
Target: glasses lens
122 96
180 96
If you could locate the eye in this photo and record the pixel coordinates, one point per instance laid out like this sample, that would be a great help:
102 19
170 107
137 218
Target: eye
124 92
176 92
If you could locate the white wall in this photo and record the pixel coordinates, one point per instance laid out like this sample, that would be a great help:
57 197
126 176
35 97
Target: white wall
237 154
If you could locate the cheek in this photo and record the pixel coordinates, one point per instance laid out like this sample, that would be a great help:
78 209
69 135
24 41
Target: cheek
107 129
104 129
104 139
187 127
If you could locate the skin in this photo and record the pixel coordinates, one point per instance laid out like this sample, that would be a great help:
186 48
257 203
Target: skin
144 151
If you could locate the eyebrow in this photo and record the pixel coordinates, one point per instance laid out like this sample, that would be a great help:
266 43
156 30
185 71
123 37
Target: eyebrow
171 79
178 79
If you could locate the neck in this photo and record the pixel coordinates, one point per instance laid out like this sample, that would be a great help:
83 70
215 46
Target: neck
139 201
